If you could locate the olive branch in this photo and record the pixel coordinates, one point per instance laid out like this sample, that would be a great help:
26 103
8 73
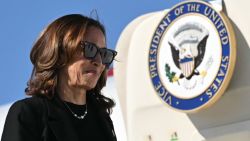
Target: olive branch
169 74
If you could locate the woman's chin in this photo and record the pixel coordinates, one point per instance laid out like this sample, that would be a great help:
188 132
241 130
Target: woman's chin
88 87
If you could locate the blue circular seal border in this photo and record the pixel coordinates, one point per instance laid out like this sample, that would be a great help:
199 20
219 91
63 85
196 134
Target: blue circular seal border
208 94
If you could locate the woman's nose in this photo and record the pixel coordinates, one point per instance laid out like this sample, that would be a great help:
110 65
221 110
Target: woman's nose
97 60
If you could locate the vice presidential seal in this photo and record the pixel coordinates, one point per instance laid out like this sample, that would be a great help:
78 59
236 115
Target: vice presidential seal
192 56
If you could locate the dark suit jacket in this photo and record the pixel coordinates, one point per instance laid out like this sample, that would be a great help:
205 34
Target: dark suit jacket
40 119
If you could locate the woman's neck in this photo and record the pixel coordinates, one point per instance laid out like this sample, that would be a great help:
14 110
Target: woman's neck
72 95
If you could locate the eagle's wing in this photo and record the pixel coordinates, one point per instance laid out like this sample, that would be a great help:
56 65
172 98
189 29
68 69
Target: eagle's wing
175 54
201 51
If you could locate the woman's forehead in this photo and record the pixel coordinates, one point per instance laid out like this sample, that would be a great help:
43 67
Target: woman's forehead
96 36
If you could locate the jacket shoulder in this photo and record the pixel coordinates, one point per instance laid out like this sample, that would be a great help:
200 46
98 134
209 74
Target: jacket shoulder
24 121
30 108
27 104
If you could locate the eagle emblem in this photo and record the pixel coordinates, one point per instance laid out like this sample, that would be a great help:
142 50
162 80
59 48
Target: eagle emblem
188 46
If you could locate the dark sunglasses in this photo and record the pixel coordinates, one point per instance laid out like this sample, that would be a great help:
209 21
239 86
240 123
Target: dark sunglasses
90 51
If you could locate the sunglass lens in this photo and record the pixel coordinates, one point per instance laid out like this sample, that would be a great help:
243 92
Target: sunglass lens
90 50
107 56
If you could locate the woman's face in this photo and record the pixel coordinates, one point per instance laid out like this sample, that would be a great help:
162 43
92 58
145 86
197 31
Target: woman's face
84 73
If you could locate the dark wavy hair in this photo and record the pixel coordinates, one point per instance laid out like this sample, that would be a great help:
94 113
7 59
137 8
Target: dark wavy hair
54 48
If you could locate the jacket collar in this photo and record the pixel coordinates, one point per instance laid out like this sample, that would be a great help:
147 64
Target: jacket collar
60 123
104 117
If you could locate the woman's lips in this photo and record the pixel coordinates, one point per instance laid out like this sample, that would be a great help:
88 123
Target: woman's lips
91 72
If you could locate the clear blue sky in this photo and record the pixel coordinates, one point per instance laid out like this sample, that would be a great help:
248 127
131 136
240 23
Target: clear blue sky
22 21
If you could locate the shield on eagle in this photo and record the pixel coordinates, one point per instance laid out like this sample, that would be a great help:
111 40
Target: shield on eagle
187 66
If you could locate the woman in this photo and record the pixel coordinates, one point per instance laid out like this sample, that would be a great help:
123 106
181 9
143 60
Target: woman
70 61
